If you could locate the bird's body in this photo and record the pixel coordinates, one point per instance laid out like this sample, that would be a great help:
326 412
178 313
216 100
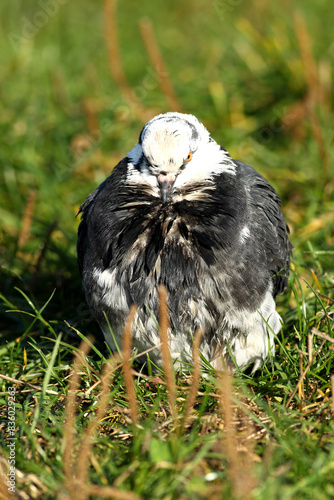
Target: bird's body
179 212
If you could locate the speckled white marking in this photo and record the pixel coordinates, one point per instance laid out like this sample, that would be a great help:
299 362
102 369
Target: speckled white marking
252 346
259 327
244 234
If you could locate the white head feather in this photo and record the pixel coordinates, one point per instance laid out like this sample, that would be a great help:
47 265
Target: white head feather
179 144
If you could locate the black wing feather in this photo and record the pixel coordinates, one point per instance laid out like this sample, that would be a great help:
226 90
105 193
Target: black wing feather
267 220
84 209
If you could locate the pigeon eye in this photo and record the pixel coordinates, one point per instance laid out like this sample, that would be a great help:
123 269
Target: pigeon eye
189 156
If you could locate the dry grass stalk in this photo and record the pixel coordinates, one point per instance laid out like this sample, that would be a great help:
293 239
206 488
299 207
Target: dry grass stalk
325 82
115 59
247 478
69 425
319 137
76 465
44 247
159 64
111 492
32 386
231 440
84 450
4 493
303 374
301 393
126 368
165 353
323 336
27 219
305 45
195 379
310 347
239 450
92 120
311 76
293 120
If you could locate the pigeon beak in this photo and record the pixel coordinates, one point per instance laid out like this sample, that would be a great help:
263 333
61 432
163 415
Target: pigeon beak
166 183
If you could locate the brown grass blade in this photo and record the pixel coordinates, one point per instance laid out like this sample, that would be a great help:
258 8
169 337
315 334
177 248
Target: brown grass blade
319 137
303 374
158 64
239 450
225 387
311 76
42 252
115 60
27 384
165 352
27 219
85 448
310 347
305 45
69 425
195 379
316 332
301 393
126 368
4 485
111 492
76 464
92 119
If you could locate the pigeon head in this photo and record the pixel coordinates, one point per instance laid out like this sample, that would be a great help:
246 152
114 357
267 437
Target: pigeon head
175 149
169 141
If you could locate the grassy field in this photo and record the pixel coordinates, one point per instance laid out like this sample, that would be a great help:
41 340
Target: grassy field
78 80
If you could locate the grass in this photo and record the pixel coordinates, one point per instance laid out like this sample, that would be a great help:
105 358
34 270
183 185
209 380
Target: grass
75 93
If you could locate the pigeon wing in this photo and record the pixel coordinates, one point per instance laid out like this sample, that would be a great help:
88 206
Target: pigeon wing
267 221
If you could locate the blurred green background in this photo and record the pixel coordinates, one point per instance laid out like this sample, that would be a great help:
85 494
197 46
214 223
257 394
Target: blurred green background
258 74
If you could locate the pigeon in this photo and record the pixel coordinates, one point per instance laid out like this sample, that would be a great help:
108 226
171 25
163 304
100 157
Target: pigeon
179 212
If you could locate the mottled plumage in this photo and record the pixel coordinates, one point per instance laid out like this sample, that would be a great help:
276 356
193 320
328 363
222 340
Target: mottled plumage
179 212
